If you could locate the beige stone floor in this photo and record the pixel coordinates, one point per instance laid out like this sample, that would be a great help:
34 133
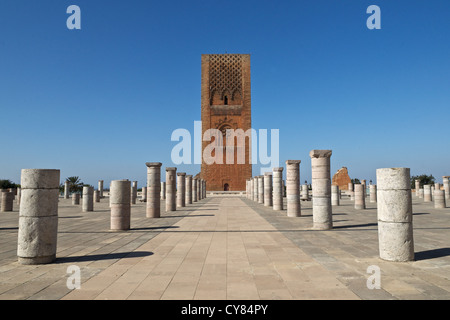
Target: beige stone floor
228 248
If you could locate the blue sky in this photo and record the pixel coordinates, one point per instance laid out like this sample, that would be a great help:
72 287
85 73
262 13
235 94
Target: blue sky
101 101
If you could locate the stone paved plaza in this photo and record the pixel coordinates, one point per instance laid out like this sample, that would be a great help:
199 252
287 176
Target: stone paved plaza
228 248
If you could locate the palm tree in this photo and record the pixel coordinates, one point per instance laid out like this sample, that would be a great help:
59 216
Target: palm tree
75 184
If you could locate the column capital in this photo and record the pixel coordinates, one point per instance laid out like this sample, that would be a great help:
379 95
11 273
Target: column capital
320 153
181 173
171 169
153 164
277 169
293 161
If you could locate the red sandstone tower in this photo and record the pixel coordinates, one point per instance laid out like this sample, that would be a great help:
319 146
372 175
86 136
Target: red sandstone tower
226 104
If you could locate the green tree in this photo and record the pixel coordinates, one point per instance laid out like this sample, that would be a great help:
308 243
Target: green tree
6 184
423 179
356 181
75 184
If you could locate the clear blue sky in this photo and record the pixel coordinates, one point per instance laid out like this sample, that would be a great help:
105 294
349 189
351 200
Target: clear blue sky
101 101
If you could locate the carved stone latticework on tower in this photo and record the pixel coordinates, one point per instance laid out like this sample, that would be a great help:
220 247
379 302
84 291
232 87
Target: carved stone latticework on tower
226 104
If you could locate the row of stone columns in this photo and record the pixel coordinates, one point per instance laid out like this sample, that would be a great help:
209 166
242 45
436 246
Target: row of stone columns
430 193
268 189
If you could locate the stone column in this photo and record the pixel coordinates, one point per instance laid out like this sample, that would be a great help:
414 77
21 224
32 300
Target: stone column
417 182
395 229
251 189
7 201
277 176
194 189
204 188
446 183
439 199
38 217
360 200
153 205
363 182
255 189
163 190
304 193
200 189
188 194
268 189
100 188
261 189
373 193
351 191
437 186
334 195
96 196
427 193
293 188
88 199
420 192
144 194
75 198
181 189
120 203
18 195
199 186
134 192
171 189
321 188
66 189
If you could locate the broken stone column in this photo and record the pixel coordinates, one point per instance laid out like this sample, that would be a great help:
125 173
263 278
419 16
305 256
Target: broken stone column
181 189
171 189
446 183
268 189
427 193
88 199
38 216
188 193
75 198
18 195
96 196
351 191
134 192
420 192
260 189
321 188
373 193
204 188
334 195
255 189
66 189
144 194
304 193
194 189
7 199
439 199
163 190
363 182
153 205
395 228
277 176
417 182
293 188
199 189
120 203
100 188
360 200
